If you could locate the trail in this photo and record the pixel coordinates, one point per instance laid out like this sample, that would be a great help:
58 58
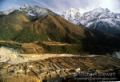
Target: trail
34 57
15 58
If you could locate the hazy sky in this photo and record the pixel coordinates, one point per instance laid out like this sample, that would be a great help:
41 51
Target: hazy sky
61 5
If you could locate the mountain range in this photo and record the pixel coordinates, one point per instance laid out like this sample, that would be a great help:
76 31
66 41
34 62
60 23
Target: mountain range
99 19
102 23
38 45
33 23
29 24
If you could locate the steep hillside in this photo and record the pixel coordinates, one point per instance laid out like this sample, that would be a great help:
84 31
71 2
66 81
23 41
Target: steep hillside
51 27
31 24
11 24
18 26
28 28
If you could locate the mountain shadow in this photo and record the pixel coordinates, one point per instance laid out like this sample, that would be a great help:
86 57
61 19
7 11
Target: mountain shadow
100 43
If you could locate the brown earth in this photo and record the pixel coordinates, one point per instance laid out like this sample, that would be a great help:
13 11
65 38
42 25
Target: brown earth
58 67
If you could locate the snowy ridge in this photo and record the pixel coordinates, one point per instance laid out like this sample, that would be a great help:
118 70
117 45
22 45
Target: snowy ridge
98 14
72 15
100 19
32 11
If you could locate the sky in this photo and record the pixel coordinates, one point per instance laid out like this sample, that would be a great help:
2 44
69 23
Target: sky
62 5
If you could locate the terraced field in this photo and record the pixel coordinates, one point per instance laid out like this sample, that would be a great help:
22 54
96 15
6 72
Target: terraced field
55 67
49 61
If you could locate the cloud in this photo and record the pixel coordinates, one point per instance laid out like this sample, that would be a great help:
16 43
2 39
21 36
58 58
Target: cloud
61 5
41 3
85 5
65 4
117 6
113 5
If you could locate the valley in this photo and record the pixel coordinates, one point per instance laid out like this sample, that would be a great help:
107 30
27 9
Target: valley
50 66
38 45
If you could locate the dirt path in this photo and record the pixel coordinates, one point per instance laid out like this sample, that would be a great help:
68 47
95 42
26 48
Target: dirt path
20 58
33 57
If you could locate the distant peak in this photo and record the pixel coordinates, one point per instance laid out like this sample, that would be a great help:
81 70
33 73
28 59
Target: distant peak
73 10
72 14
100 9
25 6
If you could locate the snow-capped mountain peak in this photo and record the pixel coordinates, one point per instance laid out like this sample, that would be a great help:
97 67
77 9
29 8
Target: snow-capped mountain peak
99 14
34 10
25 6
100 10
72 15
101 19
